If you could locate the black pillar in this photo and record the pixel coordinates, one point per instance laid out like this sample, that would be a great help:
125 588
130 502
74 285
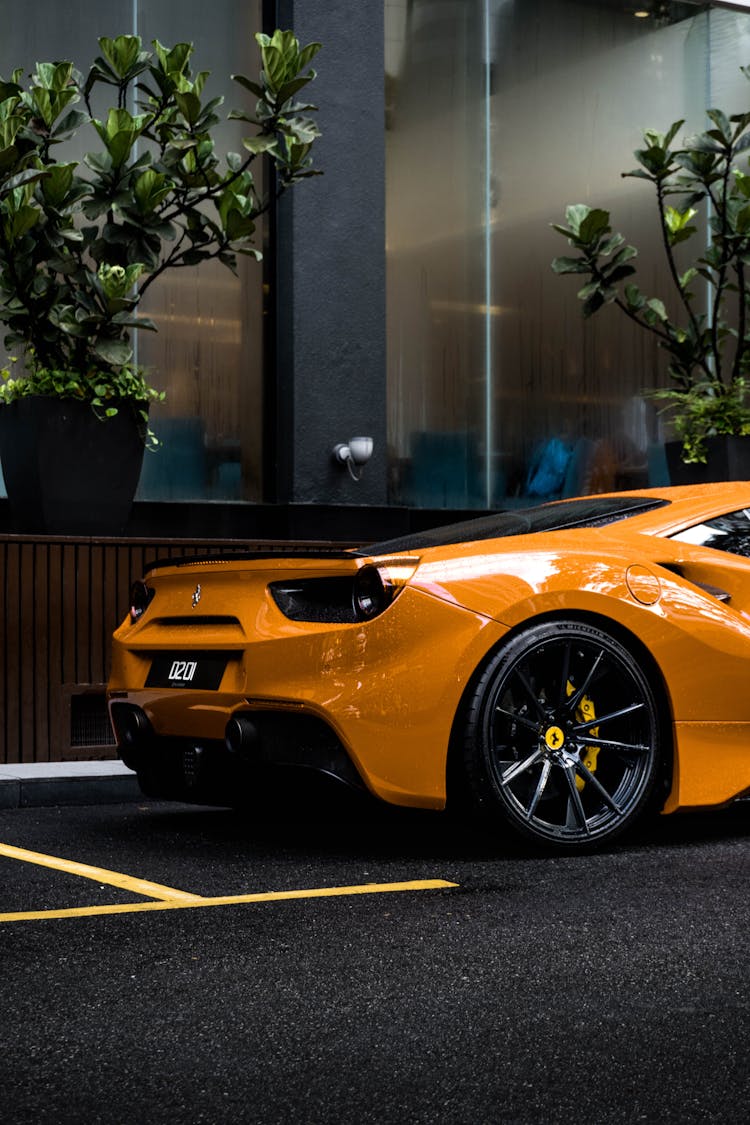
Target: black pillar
330 267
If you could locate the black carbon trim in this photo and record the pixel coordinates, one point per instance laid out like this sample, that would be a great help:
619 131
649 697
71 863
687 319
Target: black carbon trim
297 552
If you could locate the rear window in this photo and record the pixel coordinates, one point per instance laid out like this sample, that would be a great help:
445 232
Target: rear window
592 511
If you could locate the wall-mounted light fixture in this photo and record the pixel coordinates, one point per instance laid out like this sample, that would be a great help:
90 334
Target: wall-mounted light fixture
354 454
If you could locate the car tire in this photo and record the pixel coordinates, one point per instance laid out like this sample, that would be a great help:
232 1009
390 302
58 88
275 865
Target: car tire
562 737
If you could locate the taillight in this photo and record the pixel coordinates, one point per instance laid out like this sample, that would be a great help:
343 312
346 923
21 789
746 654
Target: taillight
371 594
378 583
140 599
344 600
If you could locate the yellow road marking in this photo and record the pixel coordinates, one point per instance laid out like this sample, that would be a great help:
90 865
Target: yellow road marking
100 875
228 900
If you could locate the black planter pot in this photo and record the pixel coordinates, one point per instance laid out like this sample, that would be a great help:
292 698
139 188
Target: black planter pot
66 471
728 458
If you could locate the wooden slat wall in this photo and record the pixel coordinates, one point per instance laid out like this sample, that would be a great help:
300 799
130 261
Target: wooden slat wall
60 600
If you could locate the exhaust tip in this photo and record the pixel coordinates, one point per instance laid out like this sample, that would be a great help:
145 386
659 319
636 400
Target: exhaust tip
241 735
132 727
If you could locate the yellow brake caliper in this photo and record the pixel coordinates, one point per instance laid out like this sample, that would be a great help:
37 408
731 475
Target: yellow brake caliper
585 713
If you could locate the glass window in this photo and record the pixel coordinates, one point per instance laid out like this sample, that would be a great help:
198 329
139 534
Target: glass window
588 512
724 533
207 354
208 351
498 114
435 192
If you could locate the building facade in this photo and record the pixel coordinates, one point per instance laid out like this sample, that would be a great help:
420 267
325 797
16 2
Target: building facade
407 294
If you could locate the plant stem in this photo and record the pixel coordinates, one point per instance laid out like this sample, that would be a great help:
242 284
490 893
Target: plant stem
742 320
669 252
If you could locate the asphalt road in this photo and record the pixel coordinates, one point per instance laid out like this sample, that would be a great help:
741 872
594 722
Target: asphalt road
611 988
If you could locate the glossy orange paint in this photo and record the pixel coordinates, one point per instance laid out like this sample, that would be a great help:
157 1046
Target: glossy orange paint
391 687
376 684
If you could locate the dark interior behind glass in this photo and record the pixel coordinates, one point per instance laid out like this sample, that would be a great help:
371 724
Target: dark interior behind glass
591 511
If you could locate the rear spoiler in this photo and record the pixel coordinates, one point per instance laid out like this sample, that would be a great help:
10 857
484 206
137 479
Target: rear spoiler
264 551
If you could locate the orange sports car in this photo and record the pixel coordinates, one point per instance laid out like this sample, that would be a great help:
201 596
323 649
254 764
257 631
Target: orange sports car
563 667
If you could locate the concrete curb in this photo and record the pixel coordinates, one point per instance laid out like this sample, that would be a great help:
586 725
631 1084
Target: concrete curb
37 784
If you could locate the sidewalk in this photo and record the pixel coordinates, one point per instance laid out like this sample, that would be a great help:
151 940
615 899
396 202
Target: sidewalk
66 783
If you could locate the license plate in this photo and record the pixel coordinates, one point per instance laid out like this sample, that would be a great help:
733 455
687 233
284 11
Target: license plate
202 670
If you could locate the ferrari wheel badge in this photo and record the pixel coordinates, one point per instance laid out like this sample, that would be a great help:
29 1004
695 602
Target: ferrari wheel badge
554 738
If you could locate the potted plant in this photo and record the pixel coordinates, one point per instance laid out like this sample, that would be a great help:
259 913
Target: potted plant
80 245
702 195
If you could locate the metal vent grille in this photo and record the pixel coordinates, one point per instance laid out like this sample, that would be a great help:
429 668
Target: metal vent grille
89 722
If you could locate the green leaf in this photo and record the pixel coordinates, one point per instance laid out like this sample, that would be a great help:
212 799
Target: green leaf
307 54
626 254
704 143
22 221
576 214
588 290
253 87
742 183
619 273
634 297
99 162
122 53
128 320
611 244
672 132
51 90
721 121
289 89
565 231
594 225
676 220
175 60
116 352
570 265
303 129
57 183
190 106
593 304
28 176
682 235
194 256
53 76
260 144
657 307
638 173
275 52
11 90
150 189
72 120
120 133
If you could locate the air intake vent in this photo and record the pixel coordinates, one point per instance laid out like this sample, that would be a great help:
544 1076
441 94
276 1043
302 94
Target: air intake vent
197 619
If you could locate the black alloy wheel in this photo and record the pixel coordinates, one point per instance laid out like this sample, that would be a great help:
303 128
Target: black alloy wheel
563 736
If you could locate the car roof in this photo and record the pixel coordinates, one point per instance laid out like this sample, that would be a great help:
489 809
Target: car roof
659 512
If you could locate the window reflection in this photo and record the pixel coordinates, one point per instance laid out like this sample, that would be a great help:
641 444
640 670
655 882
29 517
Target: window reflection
729 533
207 354
498 114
